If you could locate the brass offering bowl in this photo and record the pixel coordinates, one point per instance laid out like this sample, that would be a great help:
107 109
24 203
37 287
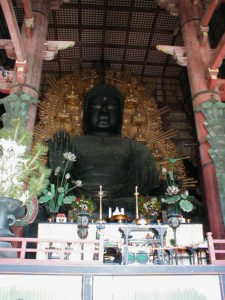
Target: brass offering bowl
120 218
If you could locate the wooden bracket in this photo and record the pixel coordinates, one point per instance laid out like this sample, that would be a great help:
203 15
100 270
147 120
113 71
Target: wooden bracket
51 48
29 22
21 68
177 52
203 34
212 81
170 5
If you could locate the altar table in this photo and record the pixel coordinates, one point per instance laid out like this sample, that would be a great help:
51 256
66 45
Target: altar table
131 238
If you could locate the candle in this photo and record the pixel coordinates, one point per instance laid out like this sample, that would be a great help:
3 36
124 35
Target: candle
136 196
110 212
100 203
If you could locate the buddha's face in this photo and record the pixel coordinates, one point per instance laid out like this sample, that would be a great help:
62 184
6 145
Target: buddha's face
103 115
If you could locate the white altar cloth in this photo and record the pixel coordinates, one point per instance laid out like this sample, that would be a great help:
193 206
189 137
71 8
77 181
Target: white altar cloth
187 235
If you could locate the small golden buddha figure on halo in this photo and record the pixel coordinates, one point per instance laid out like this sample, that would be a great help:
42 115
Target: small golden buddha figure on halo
130 101
72 100
139 118
140 137
63 119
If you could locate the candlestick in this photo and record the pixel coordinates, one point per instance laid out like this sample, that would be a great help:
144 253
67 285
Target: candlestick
100 193
100 202
136 194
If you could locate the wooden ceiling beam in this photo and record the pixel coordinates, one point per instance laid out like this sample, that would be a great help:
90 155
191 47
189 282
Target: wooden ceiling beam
54 74
111 28
127 33
149 42
29 18
54 4
209 12
102 67
204 26
57 38
119 8
216 61
13 29
80 60
115 46
139 63
219 54
21 64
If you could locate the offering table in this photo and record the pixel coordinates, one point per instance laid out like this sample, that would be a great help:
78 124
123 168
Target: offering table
130 238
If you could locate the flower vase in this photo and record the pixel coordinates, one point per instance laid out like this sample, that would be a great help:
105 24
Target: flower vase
8 209
173 216
82 224
174 223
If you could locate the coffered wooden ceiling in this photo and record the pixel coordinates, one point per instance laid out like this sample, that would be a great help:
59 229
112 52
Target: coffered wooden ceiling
121 33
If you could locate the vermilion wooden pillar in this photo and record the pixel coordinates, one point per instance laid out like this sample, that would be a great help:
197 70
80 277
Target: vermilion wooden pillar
34 47
198 57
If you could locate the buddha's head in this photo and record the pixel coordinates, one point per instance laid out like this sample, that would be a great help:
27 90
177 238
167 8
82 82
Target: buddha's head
103 111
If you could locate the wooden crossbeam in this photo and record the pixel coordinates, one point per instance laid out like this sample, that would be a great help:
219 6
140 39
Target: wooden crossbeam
218 55
10 17
54 4
216 61
51 48
209 12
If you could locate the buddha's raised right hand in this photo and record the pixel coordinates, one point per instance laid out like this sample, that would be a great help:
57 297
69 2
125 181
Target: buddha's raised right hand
57 147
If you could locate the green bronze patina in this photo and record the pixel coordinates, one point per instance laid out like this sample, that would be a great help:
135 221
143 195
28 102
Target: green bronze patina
16 106
214 112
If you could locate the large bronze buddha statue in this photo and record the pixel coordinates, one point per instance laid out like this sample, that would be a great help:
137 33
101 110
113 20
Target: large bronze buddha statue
103 156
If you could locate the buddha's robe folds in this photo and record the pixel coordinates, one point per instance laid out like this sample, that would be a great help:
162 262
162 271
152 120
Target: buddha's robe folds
118 164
